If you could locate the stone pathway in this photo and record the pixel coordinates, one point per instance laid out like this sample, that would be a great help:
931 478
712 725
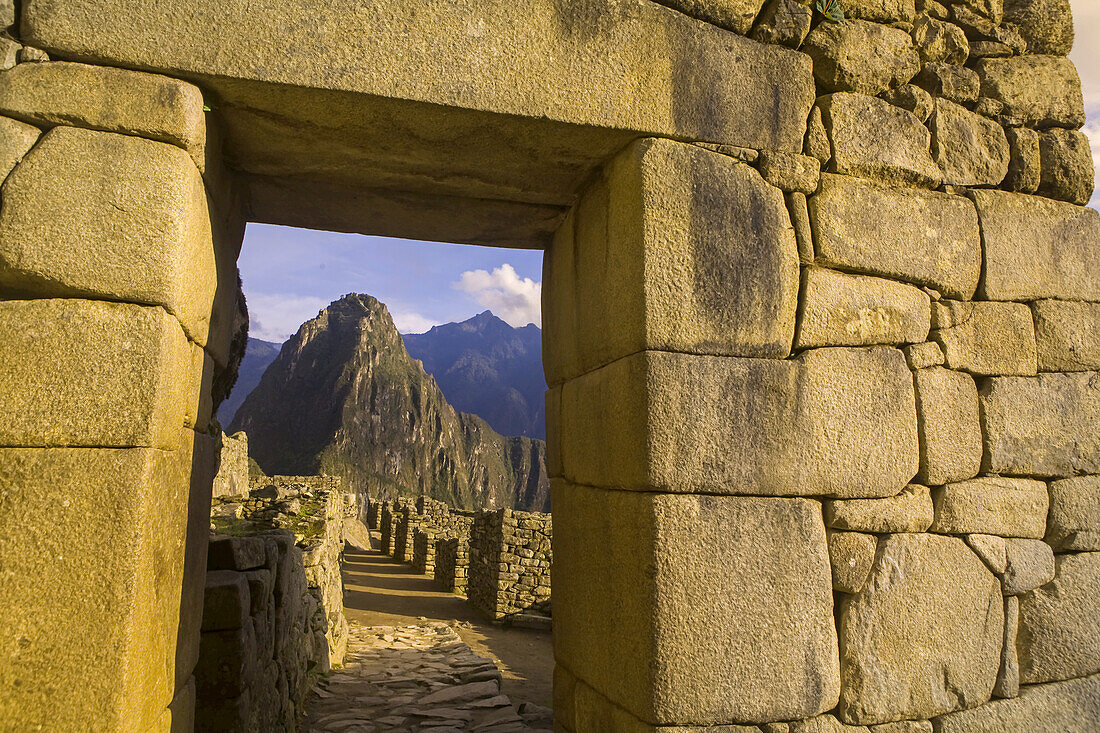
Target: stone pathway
416 678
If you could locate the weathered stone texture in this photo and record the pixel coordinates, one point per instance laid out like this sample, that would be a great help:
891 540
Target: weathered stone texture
924 237
971 150
909 511
832 422
947 422
957 85
1037 248
110 216
858 56
1036 91
790 172
912 98
1074 520
733 15
1046 25
1024 167
923 355
924 636
663 257
937 41
1028 565
1067 335
1047 425
985 338
672 641
897 154
1061 707
851 554
1059 638
232 478
117 376
839 309
16 139
1066 165
784 22
109 99
1008 676
991 505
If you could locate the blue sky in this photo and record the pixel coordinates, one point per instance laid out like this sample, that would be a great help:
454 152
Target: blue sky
290 274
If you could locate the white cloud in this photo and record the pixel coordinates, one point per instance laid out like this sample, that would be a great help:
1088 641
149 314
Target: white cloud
407 322
275 317
513 299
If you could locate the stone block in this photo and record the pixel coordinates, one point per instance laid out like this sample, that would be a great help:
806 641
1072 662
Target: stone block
985 338
924 237
236 553
831 422
912 98
957 85
1073 523
553 432
909 511
923 355
1067 335
817 142
936 41
733 15
91 515
784 22
1008 676
992 549
823 724
858 56
1047 425
100 215
947 422
903 726
924 636
692 273
881 11
1046 25
1066 166
1059 638
1036 248
16 139
991 505
851 555
897 154
971 150
109 99
92 373
789 171
803 232
1061 707
838 309
1024 166
227 660
226 602
1034 91
669 640
1028 565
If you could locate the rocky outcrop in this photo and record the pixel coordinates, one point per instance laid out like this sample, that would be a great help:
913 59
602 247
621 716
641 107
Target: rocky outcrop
345 399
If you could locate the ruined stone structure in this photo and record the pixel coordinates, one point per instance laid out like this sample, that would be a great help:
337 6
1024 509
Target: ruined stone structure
820 308
509 566
452 563
232 477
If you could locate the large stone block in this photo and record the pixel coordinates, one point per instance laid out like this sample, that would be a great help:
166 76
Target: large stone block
109 99
985 338
1046 25
680 249
460 121
909 511
1047 425
1037 248
226 600
92 373
1067 335
1073 523
733 15
991 505
936 41
110 531
838 309
947 421
970 149
858 56
1059 638
1035 91
832 422
1061 707
95 214
923 237
1066 165
671 641
924 635
899 151
1028 565
16 139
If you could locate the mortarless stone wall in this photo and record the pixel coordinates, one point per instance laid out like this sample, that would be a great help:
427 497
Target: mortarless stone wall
509 564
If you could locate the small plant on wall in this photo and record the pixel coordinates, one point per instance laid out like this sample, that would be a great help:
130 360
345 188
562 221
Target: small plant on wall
830 9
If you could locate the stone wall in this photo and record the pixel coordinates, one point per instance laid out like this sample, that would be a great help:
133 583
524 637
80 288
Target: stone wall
232 478
509 565
273 610
452 563
441 523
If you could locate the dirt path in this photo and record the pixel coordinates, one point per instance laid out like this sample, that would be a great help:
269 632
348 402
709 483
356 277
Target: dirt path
381 592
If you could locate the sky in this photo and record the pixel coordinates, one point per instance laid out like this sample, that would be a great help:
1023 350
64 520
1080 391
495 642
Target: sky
291 274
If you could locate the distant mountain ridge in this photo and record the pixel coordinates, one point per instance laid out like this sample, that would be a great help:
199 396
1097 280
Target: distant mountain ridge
344 397
257 356
486 367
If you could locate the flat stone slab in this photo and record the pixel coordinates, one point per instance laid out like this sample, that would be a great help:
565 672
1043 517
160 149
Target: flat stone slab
1060 707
